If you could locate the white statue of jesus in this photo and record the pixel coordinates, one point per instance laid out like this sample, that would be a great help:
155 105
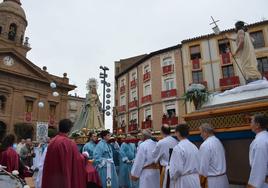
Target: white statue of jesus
246 53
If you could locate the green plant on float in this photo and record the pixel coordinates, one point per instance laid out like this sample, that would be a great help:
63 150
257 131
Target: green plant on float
197 94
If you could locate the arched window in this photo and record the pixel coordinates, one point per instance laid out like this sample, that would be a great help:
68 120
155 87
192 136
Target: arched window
2 103
12 32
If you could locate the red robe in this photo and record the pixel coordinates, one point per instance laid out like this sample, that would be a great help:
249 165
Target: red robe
64 166
10 159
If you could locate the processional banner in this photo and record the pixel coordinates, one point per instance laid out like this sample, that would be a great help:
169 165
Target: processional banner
41 131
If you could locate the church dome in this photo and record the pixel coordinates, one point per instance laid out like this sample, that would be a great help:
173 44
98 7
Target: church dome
13 6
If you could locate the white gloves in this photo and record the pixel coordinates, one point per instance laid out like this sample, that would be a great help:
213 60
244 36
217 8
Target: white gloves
2 167
85 153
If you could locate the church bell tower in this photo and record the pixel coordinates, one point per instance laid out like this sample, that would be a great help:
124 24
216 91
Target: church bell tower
13 24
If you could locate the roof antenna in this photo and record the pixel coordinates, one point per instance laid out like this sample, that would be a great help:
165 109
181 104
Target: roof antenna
216 27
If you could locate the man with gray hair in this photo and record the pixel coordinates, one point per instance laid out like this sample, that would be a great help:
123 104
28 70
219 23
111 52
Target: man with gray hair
144 168
212 158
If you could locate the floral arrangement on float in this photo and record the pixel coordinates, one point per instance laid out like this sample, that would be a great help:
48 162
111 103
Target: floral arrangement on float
196 94
81 136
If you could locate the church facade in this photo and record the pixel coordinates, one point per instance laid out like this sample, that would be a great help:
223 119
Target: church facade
25 91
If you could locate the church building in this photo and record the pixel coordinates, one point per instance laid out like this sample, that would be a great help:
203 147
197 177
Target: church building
25 91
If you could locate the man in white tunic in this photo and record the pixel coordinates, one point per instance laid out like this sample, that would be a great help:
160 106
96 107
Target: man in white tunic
258 154
144 167
161 154
212 159
184 161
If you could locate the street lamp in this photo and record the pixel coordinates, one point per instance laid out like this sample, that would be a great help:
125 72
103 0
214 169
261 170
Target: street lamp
103 76
104 68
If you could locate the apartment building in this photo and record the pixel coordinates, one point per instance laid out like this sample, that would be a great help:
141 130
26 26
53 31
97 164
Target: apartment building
148 92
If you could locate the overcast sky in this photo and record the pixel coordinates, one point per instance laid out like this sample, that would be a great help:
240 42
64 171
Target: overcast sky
77 36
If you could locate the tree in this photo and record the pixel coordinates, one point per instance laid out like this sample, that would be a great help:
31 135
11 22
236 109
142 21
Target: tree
23 130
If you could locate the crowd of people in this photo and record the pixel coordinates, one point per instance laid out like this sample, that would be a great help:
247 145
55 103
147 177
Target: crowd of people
25 158
172 162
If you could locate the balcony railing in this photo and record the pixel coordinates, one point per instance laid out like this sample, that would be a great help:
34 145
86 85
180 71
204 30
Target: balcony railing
51 120
230 82
133 84
132 127
146 99
225 58
169 93
170 121
146 124
196 64
146 77
122 108
133 104
265 74
168 69
28 117
205 83
122 89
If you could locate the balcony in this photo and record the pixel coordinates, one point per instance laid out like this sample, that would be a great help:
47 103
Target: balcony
146 76
121 108
133 84
146 124
122 89
28 117
196 64
51 120
146 99
133 104
231 82
172 121
225 59
205 83
168 69
265 74
169 93
132 127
